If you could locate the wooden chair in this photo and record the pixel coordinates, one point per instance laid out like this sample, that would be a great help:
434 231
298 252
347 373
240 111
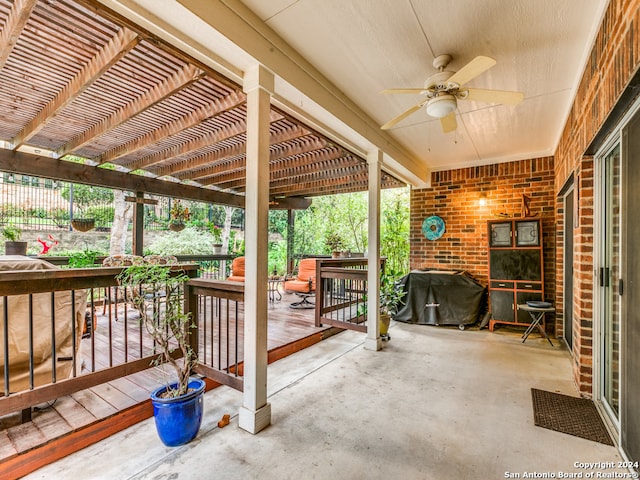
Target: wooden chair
303 284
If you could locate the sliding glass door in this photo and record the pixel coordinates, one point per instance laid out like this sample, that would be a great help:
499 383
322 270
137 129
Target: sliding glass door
609 281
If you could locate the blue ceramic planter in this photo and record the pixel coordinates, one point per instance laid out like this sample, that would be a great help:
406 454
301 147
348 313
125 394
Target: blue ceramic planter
178 419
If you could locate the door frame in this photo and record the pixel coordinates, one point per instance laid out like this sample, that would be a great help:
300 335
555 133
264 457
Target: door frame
567 293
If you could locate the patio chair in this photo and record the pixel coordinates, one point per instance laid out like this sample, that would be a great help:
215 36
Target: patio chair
303 284
237 270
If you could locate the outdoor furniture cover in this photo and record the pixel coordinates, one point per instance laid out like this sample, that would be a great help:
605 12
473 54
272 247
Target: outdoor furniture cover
18 336
436 297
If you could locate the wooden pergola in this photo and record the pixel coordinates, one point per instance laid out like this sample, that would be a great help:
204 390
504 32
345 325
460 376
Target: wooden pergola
79 80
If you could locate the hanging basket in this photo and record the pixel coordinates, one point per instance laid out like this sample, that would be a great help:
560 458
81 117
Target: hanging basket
83 224
176 226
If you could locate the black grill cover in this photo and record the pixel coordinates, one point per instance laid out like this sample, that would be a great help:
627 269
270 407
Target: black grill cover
437 297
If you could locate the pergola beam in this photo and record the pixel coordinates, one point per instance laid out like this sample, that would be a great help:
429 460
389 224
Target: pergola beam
37 165
117 47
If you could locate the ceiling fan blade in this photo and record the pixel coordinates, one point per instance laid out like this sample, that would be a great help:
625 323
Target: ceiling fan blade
472 69
404 115
403 90
494 96
449 123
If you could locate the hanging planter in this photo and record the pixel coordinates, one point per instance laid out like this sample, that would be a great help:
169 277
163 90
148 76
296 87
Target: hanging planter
176 226
178 216
83 224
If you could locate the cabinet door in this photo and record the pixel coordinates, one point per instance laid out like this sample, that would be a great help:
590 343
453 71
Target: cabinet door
502 305
527 233
500 234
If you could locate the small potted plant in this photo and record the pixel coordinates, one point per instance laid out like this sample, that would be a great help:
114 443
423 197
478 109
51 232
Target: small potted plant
179 215
391 297
13 245
177 405
216 231
334 243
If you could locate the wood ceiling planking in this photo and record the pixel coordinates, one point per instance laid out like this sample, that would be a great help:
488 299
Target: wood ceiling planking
79 80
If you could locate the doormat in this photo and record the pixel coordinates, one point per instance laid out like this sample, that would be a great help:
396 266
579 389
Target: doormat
563 413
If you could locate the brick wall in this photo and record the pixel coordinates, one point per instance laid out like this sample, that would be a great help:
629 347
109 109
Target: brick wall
614 59
454 195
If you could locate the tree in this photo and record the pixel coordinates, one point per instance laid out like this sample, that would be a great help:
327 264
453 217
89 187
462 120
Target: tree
123 214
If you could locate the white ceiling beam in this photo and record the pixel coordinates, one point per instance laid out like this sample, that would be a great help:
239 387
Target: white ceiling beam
245 29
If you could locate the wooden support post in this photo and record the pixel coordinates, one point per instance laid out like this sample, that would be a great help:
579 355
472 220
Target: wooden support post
373 340
291 218
255 413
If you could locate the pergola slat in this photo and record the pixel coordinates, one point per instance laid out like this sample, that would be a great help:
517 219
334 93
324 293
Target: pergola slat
117 47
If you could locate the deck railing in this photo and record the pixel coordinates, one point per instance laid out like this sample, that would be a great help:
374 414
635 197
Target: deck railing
341 292
42 317
219 308
62 351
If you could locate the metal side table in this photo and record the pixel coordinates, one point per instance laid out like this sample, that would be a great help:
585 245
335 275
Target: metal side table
537 316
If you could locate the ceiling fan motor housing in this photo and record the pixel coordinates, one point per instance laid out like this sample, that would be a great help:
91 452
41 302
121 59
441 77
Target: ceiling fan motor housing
438 83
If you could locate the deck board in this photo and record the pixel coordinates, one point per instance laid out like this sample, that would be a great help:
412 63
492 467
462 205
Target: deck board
26 436
6 445
95 404
72 412
50 423
286 329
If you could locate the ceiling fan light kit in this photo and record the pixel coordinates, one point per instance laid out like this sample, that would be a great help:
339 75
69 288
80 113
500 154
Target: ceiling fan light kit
443 90
441 106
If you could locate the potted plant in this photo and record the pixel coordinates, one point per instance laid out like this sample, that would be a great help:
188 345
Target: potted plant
13 245
177 405
179 215
216 231
334 243
391 297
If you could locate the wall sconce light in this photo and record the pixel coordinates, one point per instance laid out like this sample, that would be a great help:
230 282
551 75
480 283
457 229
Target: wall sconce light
483 200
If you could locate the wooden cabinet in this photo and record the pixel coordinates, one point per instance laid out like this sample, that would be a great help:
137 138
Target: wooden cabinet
516 268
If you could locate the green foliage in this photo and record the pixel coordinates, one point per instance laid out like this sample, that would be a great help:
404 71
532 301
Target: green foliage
60 216
216 232
394 231
86 195
391 295
170 326
333 242
83 259
187 242
37 212
278 222
103 215
278 257
11 233
346 215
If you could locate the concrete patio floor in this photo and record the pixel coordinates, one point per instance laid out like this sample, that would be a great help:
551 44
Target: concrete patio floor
436 403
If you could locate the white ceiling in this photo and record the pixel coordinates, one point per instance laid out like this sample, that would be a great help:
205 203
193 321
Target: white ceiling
333 57
365 46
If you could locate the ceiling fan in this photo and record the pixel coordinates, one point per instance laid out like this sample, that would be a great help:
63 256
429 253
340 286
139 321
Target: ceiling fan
442 91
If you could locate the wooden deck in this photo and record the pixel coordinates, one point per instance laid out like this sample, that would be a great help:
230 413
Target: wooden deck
75 421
